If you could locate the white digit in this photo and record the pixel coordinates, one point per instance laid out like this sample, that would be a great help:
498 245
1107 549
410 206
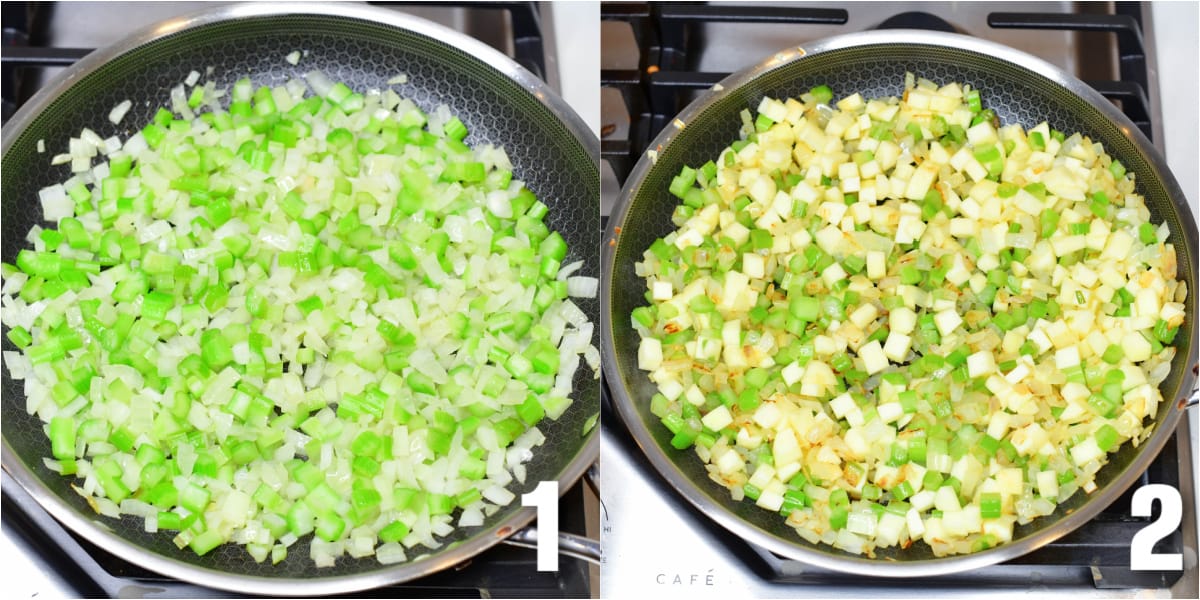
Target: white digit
1141 547
545 498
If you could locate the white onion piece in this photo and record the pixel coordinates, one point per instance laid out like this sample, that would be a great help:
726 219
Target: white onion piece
569 269
582 287
56 205
319 83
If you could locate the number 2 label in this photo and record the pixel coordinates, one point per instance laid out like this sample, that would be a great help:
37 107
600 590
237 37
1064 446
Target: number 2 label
1141 547
545 498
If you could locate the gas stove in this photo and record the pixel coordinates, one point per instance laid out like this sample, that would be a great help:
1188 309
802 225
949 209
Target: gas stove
43 558
658 57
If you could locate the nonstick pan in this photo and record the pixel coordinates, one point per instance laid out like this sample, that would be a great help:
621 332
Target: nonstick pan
1021 89
551 149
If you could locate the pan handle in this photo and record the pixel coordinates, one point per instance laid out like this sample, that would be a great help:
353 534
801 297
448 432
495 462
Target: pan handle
570 544
592 477
1193 399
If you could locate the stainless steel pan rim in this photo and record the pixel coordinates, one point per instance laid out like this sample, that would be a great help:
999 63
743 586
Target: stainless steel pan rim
834 559
97 529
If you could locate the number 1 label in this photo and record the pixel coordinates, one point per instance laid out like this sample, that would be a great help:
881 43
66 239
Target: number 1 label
1141 547
545 498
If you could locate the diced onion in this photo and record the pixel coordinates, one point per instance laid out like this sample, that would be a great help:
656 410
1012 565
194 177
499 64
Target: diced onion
582 287
892 320
295 331
55 203
569 269
319 83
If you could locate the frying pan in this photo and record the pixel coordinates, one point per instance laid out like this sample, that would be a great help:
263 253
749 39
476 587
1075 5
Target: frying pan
1021 89
551 149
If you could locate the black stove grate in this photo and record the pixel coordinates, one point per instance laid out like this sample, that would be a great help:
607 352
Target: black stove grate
666 35
25 48
528 47
88 571
655 92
